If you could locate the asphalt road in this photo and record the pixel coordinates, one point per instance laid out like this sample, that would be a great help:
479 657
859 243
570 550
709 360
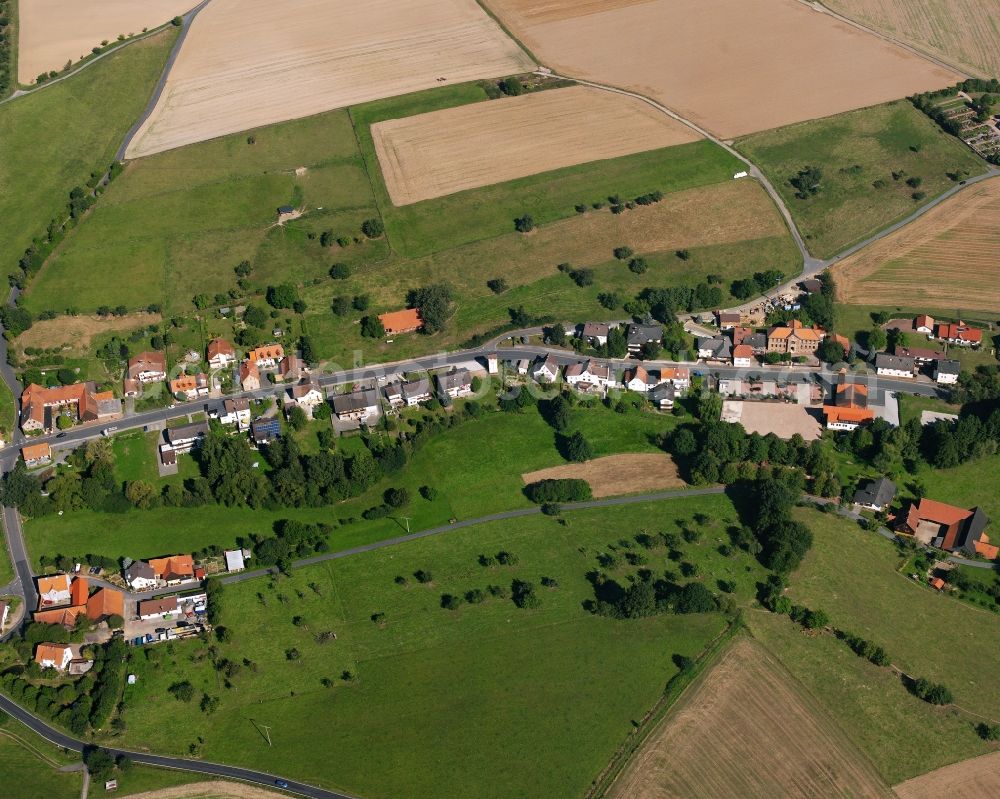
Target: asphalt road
198 766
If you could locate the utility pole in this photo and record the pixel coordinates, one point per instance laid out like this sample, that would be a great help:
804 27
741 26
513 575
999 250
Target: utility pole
407 520
267 732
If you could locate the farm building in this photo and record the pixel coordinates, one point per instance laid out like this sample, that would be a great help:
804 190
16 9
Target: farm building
405 321
876 494
948 527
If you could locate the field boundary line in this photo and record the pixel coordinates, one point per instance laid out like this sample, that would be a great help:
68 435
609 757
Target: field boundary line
675 690
507 31
19 741
371 181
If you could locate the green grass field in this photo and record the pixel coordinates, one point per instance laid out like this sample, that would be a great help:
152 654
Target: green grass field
472 481
84 119
6 568
852 575
854 150
902 736
485 701
30 772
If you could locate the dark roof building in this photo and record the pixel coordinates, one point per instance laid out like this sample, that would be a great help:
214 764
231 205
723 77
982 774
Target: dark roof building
638 335
265 430
186 432
876 493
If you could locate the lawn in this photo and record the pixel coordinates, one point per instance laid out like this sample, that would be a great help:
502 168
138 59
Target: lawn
901 735
849 572
8 412
471 480
30 772
911 406
136 456
467 216
976 482
83 119
853 151
6 568
489 700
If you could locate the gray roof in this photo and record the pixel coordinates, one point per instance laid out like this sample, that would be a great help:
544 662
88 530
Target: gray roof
641 334
355 401
186 432
596 329
756 340
718 346
457 379
140 569
949 367
238 404
876 492
662 392
886 361
972 531
417 388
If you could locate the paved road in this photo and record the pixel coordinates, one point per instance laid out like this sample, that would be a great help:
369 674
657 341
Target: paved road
493 517
158 89
201 767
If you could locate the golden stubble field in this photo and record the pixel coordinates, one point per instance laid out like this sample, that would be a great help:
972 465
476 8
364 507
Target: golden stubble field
443 152
248 63
613 475
732 66
976 778
52 32
948 258
961 32
748 730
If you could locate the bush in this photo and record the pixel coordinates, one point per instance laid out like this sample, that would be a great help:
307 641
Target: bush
423 576
623 253
524 224
396 497
450 601
373 228
340 271
694 598
497 285
550 491
428 493
523 594
182 691
931 692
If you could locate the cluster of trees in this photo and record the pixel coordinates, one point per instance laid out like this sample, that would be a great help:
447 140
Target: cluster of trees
6 46
807 182
648 596
285 295
784 541
933 692
568 490
758 284
434 303
981 385
866 649
928 102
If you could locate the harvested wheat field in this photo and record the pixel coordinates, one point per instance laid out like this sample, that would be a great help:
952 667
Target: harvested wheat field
732 66
748 730
960 32
616 474
53 32
976 778
77 332
945 259
443 152
211 789
248 63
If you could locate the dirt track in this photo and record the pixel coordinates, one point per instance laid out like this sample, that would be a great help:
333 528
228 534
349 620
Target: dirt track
746 731
431 155
977 778
52 32
248 63
945 259
617 474
731 66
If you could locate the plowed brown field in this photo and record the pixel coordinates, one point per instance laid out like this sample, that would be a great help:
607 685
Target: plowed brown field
748 730
732 66
431 155
961 32
946 259
977 778
616 474
52 32
248 63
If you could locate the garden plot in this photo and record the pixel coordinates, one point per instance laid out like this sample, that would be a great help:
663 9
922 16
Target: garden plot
732 66
247 63
443 152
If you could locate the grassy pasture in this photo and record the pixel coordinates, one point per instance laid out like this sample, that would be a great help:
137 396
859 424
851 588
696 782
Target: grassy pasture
850 572
854 150
460 701
30 773
52 140
471 481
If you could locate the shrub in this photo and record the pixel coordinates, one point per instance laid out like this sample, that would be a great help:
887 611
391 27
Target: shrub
694 598
423 576
497 285
523 594
569 490
373 228
623 253
340 271
450 601
428 493
524 224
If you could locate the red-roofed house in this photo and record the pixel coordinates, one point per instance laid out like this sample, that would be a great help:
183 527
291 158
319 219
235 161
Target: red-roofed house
960 334
743 355
405 321
220 353
948 527
53 656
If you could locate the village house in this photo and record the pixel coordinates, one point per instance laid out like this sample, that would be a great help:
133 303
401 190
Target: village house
249 376
54 590
547 371
948 527
959 334
727 319
357 406
522 366
454 384
190 386
924 324
876 495
173 569
40 406
53 656
147 367
266 357
714 349
794 339
894 365
236 412
639 379
307 394
36 454
492 364
743 356
920 355
290 368
405 321
639 335
596 333
811 285
678 376
104 603
946 372
416 391
234 560
663 396
221 353
747 335
65 616
139 576
849 409
393 393
265 430
590 376
184 438
158 608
